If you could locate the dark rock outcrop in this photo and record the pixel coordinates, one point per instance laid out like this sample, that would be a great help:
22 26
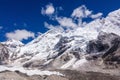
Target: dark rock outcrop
103 42
106 47
62 46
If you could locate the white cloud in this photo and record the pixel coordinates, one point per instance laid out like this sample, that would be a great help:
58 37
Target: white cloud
66 22
20 35
98 15
48 10
76 19
81 12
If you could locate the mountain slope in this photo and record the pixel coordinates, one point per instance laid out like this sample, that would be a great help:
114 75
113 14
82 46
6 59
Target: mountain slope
65 49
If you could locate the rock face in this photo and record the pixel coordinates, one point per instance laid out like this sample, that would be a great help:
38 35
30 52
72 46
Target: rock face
103 42
4 54
106 46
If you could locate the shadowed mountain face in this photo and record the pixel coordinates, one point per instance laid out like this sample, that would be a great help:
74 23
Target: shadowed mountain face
107 47
103 42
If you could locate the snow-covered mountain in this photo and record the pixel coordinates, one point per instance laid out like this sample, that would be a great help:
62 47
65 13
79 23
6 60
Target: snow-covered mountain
12 46
58 48
13 43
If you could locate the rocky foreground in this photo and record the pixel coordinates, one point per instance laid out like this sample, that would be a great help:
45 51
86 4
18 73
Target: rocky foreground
68 75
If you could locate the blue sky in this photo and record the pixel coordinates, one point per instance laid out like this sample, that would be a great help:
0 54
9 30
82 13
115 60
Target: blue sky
25 15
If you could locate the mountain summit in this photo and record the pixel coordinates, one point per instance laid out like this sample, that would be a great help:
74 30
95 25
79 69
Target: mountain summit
13 43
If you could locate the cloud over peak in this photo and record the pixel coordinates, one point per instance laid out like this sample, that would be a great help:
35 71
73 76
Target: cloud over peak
84 12
20 35
81 12
66 22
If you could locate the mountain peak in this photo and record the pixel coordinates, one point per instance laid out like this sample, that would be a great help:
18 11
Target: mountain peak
13 43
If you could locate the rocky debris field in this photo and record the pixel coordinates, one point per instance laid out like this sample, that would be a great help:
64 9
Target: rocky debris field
68 75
